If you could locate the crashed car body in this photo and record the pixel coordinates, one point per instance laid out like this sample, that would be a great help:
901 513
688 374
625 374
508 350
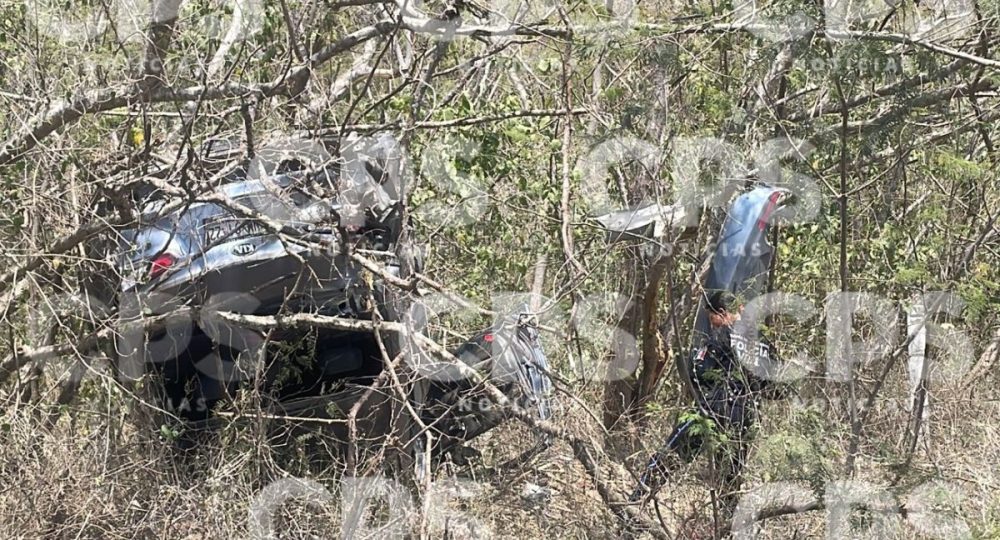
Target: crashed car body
741 263
268 240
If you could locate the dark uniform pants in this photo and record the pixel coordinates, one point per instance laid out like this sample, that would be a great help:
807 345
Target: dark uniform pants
732 416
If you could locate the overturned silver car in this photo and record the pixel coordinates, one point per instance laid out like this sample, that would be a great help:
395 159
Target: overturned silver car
312 252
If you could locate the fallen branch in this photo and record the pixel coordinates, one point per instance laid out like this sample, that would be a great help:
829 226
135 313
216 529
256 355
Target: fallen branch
25 355
282 418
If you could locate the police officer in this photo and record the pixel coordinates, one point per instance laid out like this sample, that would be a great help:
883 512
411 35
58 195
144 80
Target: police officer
726 403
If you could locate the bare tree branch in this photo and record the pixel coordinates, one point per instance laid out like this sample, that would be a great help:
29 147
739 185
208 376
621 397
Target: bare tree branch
64 113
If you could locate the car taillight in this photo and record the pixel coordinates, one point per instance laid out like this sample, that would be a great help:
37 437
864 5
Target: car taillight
765 216
161 264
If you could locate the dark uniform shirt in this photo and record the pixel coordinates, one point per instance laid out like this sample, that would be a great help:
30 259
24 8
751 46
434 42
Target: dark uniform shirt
728 389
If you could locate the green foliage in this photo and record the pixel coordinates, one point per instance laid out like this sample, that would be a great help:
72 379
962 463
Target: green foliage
169 433
798 450
704 427
954 167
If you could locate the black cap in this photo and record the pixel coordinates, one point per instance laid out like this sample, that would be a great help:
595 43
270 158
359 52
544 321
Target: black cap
721 301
